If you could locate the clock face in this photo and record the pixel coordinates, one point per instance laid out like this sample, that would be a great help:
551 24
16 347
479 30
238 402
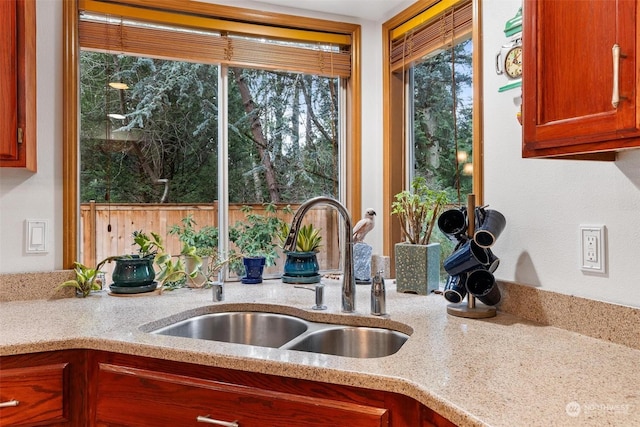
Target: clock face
513 62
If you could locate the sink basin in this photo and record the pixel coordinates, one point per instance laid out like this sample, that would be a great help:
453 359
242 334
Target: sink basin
360 342
287 332
254 328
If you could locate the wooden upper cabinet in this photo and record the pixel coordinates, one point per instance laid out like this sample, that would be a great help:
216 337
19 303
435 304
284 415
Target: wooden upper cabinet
8 81
18 84
570 79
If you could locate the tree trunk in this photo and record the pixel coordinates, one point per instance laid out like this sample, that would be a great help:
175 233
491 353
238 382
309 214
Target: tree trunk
258 135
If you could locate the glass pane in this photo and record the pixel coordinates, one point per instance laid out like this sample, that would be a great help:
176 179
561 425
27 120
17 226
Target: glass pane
283 147
148 152
442 125
283 136
442 120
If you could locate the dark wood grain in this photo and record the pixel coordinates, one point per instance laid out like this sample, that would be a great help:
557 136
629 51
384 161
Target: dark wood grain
568 78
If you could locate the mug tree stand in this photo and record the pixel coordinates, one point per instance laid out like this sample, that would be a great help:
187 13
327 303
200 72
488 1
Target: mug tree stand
470 310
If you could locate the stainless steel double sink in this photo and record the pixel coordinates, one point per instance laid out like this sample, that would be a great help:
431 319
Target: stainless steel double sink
288 332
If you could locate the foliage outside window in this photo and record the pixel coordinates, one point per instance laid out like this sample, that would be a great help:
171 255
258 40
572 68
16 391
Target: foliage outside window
157 141
283 144
163 127
441 131
430 94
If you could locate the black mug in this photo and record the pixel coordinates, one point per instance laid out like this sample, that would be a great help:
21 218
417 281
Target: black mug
453 223
494 261
467 257
492 225
482 284
455 289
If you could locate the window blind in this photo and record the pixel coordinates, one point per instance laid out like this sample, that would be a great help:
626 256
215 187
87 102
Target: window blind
442 30
117 34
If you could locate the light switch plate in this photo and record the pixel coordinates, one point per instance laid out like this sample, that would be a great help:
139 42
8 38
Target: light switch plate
36 233
593 248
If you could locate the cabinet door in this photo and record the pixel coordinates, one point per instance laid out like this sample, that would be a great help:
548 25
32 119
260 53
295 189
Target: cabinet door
18 84
8 81
140 397
33 395
569 77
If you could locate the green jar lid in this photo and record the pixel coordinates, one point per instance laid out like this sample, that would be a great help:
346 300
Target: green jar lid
514 25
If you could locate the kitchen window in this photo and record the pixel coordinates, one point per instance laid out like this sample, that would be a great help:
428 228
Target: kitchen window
432 82
181 117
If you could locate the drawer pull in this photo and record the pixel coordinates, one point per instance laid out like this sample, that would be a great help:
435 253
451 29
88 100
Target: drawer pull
208 420
9 403
615 96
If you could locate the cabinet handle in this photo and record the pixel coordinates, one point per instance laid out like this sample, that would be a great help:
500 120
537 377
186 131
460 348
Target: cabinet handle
9 403
615 96
208 420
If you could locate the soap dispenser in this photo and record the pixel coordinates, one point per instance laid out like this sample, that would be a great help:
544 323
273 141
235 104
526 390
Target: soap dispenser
378 295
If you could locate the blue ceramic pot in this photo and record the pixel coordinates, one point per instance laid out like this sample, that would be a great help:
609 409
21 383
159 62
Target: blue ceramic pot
134 271
253 267
301 264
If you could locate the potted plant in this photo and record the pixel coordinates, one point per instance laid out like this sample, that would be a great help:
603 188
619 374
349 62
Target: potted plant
199 248
301 265
86 279
417 260
212 269
172 274
255 240
133 273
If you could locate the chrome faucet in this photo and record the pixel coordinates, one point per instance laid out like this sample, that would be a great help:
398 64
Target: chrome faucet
348 278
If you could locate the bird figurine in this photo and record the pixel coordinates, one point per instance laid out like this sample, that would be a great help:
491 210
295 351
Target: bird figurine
364 226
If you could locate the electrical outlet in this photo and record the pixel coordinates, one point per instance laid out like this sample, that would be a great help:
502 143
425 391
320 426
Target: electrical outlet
593 248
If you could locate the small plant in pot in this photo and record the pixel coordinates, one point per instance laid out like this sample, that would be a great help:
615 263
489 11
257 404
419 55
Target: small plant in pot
255 240
212 269
86 280
199 249
133 273
136 271
417 260
172 274
301 265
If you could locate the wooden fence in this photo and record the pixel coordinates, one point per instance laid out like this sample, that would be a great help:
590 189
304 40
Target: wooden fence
106 229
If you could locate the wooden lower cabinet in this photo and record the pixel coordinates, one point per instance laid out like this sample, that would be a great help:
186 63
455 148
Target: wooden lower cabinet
139 397
95 388
138 391
42 389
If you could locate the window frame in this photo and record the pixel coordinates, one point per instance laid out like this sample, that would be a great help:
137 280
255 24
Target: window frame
395 149
241 17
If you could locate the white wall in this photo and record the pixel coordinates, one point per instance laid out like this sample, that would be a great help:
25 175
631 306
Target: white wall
25 195
544 200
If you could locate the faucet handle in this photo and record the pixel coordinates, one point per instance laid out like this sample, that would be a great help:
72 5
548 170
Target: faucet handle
378 295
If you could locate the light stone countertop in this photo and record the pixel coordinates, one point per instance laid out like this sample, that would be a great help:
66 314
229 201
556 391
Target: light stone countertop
503 371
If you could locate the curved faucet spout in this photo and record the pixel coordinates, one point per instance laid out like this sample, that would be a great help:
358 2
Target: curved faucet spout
348 278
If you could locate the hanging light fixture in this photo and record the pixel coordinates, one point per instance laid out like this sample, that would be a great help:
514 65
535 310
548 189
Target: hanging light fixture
119 85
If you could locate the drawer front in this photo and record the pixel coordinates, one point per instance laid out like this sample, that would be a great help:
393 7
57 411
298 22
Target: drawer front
37 392
139 397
